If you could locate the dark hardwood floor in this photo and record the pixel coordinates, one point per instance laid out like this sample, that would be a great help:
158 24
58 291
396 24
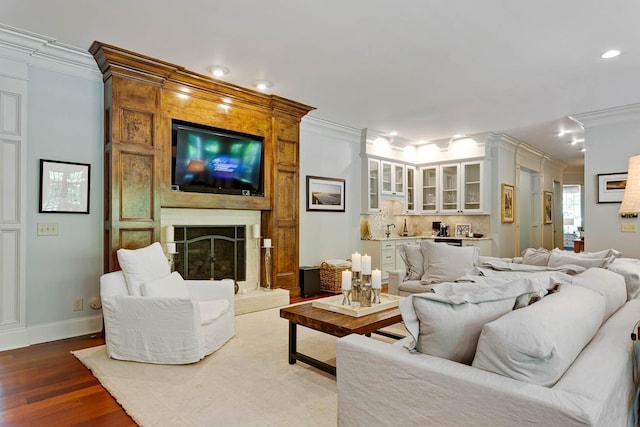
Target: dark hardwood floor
45 385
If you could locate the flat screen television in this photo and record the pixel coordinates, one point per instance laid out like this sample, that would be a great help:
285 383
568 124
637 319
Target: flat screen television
211 160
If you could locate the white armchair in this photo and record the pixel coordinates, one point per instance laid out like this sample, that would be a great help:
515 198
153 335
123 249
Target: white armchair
167 319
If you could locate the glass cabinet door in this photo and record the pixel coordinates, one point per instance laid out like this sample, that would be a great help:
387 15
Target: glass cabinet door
429 189
410 198
449 185
387 174
471 173
398 182
374 185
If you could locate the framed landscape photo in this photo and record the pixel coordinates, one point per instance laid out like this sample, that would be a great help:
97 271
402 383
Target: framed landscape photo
325 194
64 187
547 205
506 205
611 187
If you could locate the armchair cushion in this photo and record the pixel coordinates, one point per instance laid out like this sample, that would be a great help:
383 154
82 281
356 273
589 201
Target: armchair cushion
211 310
142 265
169 286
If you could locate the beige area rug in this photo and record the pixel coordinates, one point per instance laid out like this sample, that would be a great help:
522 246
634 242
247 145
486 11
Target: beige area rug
248 382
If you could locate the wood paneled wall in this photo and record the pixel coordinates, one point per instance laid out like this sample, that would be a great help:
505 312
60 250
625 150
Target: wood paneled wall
141 97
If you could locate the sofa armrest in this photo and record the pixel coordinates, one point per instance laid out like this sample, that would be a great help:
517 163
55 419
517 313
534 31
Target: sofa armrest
395 278
419 389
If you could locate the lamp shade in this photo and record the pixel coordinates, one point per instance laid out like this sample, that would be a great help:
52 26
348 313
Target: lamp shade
631 199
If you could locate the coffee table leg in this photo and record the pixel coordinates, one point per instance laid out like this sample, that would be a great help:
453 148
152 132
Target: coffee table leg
293 332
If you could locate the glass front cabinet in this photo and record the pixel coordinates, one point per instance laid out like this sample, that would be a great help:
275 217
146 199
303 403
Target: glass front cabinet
429 194
461 187
372 203
392 178
410 195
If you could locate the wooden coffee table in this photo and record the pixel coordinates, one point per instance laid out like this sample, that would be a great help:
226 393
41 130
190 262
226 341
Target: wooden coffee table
336 324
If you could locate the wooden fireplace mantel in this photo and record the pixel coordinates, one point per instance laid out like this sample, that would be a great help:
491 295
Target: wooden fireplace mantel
141 97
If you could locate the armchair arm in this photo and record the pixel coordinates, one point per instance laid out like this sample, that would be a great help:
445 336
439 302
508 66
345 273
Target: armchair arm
395 278
152 329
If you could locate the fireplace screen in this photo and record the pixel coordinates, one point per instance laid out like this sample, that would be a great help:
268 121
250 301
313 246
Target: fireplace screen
206 252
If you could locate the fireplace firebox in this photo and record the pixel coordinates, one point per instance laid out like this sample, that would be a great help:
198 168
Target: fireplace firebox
211 252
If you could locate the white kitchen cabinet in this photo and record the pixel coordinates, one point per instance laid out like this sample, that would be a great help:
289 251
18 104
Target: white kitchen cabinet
462 189
371 197
410 195
429 185
484 246
392 178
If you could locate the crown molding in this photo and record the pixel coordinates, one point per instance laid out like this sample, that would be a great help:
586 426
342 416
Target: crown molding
607 116
45 52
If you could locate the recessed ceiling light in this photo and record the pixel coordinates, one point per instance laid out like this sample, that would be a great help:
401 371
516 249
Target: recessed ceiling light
262 84
218 70
393 133
610 54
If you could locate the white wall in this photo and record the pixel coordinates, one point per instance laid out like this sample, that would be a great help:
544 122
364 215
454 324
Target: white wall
329 150
64 122
611 137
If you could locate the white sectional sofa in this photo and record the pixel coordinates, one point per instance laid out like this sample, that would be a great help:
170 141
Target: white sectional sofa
473 360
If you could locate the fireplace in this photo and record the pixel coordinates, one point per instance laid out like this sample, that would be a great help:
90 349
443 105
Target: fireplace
211 252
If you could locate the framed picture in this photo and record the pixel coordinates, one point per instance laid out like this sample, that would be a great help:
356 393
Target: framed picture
64 187
548 207
506 205
325 194
463 229
611 187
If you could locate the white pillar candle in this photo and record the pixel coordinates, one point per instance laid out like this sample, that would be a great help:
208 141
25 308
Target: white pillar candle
255 231
171 248
346 280
168 233
267 243
356 262
366 264
376 279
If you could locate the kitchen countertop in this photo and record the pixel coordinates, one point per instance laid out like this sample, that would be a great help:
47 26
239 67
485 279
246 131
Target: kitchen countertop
428 237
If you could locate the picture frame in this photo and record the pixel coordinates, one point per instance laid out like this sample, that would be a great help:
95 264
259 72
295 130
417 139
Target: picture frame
611 187
325 194
506 203
547 207
463 229
64 187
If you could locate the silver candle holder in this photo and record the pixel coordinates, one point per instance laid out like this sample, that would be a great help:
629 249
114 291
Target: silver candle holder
376 295
365 291
355 286
346 293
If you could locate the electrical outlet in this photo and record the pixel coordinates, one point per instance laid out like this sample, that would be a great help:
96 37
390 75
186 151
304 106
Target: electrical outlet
47 229
628 227
77 304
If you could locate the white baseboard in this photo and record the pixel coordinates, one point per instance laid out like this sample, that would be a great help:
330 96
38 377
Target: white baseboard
54 331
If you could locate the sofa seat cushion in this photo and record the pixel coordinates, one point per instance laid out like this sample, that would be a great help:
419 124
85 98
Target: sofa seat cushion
448 325
537 344
414 286
142 265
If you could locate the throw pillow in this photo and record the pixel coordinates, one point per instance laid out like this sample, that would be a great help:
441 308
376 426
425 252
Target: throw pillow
445 263
537 343
538 256
171 286
413 260
142 265
559 258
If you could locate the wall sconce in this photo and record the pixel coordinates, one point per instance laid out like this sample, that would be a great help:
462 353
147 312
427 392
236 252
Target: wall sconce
630 206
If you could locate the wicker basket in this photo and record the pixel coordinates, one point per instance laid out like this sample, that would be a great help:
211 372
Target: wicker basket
331 277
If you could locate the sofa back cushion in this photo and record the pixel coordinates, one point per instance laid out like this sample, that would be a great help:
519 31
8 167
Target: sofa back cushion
630 270
608 284
413 260
538 256
538 343
558 258
445 263
171 286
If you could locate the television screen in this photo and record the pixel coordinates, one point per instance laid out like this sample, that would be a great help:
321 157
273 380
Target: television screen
214 160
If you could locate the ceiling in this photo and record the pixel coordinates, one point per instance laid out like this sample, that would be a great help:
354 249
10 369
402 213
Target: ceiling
428 69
